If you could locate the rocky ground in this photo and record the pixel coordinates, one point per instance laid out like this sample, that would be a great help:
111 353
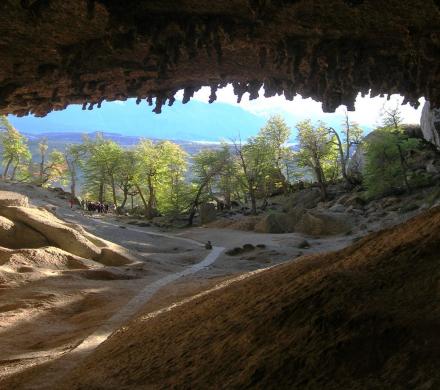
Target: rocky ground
52 299
359 318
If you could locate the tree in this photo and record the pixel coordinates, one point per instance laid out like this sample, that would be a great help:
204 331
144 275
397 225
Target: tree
53 168
42 148
173 192
103 161
254 160
352 136
148 157
160 168
125 175
274 136
14 148
316 151
387 164
207 165
228 178
73 156
95 177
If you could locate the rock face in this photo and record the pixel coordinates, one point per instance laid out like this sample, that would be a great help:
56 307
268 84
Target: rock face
56 52
430 123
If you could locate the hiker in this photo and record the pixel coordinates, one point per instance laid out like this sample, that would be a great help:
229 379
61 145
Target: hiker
71 201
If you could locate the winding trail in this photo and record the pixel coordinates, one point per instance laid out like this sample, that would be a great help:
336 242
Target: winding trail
71 358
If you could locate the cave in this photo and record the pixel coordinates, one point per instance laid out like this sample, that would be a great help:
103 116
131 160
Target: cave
56 53
364 316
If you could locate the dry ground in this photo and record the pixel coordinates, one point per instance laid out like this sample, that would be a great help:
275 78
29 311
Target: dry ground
363 317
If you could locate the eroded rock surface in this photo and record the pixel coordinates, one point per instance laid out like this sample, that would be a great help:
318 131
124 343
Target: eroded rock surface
56 52
430 123
22 226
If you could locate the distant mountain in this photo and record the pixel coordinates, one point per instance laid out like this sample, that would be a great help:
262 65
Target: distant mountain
195 121
59 140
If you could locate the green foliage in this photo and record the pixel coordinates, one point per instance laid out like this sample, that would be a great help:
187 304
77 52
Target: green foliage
386 161
318 152
15 151
56 169
272 140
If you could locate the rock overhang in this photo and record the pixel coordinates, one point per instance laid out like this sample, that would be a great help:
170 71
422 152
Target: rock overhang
55 53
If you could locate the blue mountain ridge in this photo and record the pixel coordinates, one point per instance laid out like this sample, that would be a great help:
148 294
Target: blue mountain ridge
195 121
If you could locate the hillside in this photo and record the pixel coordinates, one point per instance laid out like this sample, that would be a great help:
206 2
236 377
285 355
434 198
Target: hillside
363 317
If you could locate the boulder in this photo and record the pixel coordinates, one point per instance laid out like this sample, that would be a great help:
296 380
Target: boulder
430 124
208 213
307 198
16 235
8 198
273 223
55 230
47 258
115 257
323 223
338 208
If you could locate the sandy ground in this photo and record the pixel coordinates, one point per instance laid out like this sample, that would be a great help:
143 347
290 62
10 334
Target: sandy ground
42 320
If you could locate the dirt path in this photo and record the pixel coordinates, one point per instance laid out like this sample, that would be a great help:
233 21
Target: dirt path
63 362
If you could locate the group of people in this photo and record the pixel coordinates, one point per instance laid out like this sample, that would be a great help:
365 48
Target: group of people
99 207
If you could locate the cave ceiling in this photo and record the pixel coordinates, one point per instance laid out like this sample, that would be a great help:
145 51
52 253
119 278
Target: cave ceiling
56 52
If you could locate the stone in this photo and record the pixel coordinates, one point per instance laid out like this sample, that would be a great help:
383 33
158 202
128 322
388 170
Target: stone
304 244
15 235
307 198
323 224
8 198
273 223
114 257
430 124
208 213
338 208
53 229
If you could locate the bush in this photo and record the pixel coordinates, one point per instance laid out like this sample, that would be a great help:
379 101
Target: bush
387 165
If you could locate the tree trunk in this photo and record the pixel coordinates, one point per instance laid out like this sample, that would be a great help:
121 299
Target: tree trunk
73 185
112 182
343 158
404 168
195 203
42 169
151 198
124 199
142 197
101 192
14 171
321 182
5 173
253 199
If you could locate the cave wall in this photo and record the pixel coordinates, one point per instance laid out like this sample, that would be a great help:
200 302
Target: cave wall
53 52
